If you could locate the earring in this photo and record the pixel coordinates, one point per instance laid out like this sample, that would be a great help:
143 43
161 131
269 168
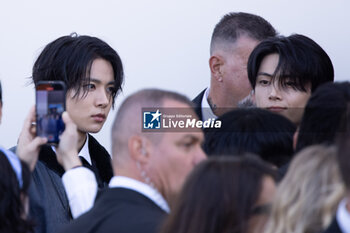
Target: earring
143 151
144 175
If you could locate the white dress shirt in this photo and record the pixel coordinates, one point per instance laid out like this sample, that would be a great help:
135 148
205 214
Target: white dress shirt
84 152
207 113
144 189
343 217
80 185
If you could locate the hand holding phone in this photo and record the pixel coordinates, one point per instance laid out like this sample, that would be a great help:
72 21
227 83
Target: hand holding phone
28 146
50 104
67 150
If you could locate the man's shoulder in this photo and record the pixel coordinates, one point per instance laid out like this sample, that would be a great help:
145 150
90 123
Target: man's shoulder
127 198
133 212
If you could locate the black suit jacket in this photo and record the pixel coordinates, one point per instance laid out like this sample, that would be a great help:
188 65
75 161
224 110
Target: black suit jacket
119 210
49 206
333 228
198 104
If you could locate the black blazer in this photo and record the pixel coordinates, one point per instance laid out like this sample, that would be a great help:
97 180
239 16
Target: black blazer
49 206
333 228
198 104
119 210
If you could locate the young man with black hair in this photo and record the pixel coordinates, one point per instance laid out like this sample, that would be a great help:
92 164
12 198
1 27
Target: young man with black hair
284 71
93 74
233 39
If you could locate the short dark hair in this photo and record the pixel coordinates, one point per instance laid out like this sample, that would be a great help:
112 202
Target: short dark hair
69 59
301 60
343 142
220 195
235 24
141 99
0 93
253 130
150 97
323 114
11 206
154 96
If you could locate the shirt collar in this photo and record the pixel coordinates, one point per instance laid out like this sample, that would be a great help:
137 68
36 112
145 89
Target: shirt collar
144 189
84 152
207 113
343 217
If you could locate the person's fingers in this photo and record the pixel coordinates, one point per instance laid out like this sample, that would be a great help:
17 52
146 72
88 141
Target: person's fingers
33 129
66 118
28 152
35 144
70 126
29 119
38 141
28 131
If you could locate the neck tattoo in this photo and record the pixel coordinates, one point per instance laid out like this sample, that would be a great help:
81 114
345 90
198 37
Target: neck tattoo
211 104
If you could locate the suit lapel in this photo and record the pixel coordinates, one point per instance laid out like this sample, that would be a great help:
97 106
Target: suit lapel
101 160
198 104
54 173
48 157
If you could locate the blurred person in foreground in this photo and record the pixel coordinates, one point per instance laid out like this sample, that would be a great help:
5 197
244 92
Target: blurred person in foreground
224 194
252 130
308 195
341 220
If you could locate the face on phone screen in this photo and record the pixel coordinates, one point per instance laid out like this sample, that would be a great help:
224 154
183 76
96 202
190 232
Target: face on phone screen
50 104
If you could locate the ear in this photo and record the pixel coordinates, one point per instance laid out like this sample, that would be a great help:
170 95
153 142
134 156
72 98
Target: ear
139 149
215 63
295 139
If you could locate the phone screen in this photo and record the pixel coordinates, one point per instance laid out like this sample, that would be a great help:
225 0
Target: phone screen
50 104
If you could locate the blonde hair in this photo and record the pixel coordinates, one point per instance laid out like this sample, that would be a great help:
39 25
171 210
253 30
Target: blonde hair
307 198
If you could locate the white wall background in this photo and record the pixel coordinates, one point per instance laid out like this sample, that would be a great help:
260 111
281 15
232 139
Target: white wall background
162 44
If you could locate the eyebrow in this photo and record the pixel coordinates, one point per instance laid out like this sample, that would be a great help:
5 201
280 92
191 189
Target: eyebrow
192 138
99 81
264 74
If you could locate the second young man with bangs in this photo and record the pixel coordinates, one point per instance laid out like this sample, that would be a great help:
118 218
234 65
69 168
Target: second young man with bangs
284 71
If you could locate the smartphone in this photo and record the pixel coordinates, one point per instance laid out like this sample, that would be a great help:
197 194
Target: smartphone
50 104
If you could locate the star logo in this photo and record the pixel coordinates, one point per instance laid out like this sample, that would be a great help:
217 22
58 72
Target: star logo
156 115
152 120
